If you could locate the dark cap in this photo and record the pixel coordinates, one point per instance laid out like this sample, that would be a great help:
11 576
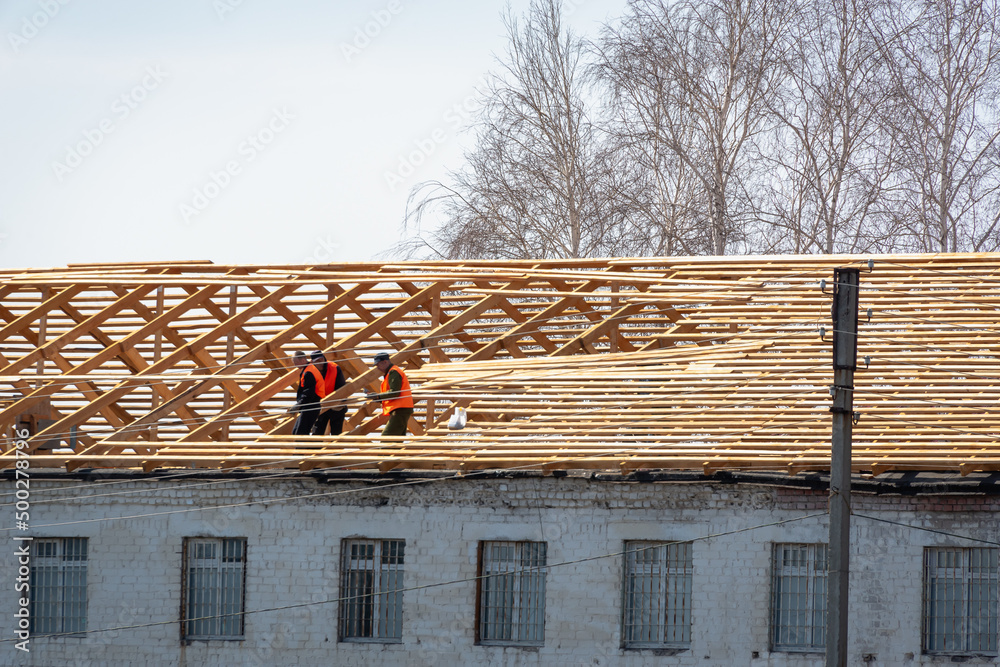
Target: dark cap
381 356
317 355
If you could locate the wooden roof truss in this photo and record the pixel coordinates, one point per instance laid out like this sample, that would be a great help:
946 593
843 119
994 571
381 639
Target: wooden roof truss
626 364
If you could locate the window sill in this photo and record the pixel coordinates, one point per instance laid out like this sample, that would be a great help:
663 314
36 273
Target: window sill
799 651
657 649
370 640
955 656
508 644
189 640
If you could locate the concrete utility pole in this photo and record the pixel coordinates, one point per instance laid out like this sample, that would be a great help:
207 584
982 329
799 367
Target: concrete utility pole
845 357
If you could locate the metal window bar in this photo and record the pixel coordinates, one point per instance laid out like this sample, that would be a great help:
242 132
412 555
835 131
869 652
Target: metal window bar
215 588
58 585
657 606
371 583
512 592
798 597
960 600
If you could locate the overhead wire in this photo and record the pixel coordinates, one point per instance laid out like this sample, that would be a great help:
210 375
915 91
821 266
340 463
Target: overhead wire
335 404
475 446
644 448
926 529
984 436
364 348
543 568
929 347
923 269
555 317
602 407
141 380
924 293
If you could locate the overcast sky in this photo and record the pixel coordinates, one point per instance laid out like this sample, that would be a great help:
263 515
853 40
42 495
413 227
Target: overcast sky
238 131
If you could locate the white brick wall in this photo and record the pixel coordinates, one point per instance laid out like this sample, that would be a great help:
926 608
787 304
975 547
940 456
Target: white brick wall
293 547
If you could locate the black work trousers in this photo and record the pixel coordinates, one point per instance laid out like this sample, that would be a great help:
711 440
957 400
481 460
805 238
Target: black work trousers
332 418
304 423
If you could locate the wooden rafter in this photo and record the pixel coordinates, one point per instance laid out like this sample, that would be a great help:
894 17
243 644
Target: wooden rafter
624 364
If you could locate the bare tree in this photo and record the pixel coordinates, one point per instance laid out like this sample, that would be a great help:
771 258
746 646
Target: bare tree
691 78
945 58
733 126
831 159
538 182
664 195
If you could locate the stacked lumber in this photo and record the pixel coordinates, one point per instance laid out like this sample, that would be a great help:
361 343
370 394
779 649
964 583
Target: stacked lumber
619 364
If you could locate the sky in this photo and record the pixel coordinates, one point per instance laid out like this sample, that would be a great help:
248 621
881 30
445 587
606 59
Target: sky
236 131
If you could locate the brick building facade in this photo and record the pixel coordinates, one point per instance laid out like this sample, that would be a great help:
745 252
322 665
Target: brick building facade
296 530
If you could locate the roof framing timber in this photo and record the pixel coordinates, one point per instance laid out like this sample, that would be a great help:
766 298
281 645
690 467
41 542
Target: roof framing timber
622 364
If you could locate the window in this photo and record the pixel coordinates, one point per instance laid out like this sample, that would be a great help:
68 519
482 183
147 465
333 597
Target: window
511 593
798 598
371 585
214 585
58 585
657 595
960 600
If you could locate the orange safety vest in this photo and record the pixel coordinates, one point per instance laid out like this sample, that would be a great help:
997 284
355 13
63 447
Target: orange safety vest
320 382
331 378
405 399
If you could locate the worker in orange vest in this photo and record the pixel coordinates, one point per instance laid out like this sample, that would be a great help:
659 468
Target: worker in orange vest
333 379
397 401
312 388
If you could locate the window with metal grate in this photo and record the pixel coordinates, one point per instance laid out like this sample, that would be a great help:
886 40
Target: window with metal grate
371 590
657 595
798 598
58 585
960 600
214 577
511 593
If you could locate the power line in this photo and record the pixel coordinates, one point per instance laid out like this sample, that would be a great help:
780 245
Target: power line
347 400
924 293
926 346
419 394
927 530
943 368
474 447
338 352
983 436
452 582
923 269
459 475
314 495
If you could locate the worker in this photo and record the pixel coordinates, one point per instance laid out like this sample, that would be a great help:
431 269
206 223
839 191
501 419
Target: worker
397 401
333 379
312 388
